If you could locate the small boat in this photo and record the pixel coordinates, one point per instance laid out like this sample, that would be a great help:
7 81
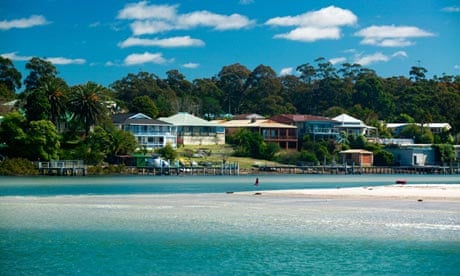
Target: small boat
401 181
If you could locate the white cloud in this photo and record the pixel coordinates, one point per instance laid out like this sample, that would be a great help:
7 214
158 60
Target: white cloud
151 19
315 25
286 71
310 34
456 66
95 24
142 10
337 60
451 9
150 27
246 2
391 36
54 60
400 54
377 57
216 21
14 56
22 23
368 59
146 57
65 61
191 65
178 41
326 17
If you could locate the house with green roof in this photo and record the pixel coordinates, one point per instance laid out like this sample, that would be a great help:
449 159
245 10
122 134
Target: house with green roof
192 130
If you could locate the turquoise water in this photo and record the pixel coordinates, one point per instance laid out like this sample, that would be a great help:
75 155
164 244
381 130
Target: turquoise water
188 226
49 186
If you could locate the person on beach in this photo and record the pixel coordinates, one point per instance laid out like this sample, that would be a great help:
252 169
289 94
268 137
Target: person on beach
257 182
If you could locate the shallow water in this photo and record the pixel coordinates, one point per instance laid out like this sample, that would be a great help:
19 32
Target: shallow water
48 186
213 233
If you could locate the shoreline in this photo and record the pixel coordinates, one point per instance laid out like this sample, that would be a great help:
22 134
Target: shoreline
419 192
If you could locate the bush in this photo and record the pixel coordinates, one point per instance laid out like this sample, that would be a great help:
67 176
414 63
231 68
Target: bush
384 158
17 166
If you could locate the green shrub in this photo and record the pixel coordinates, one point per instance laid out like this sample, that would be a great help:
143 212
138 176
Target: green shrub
17 166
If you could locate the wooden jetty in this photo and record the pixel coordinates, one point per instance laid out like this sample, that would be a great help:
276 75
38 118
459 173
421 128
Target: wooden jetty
352 169
211 169
62 167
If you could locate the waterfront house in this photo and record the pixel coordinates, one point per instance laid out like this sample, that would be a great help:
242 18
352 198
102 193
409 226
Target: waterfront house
435 128
149 133
318 127
358 157
353 126
413 154
272 132
192 130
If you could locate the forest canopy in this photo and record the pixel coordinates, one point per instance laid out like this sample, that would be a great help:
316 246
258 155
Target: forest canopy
318 88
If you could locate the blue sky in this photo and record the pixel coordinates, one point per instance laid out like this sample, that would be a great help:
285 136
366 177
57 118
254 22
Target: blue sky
104 40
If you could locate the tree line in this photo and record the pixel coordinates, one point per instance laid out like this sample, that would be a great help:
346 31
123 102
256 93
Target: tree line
53 119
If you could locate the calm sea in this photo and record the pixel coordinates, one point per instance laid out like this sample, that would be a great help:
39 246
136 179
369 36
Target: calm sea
172 225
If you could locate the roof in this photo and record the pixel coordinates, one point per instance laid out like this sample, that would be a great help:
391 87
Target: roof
347 119
301 118
248 116
186 119
356 151
350 122
251 123
135 119
429 125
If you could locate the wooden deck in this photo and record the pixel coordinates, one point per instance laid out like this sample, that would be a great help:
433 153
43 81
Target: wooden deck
62 167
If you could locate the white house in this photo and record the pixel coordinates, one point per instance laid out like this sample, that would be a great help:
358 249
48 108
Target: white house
353 126
192 130
150 133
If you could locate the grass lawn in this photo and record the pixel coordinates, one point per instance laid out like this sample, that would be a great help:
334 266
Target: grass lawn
216 154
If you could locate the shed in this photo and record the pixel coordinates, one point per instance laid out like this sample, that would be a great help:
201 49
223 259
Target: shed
358 157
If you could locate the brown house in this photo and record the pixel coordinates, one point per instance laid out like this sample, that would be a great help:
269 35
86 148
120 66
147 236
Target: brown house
357 157
272 132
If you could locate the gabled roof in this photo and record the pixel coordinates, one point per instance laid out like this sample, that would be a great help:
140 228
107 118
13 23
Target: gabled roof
253 123
135 119
347 119
301 118
186 119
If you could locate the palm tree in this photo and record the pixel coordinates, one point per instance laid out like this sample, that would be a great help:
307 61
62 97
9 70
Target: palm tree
55 90
86 102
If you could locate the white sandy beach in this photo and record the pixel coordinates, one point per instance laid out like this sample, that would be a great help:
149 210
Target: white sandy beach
449 192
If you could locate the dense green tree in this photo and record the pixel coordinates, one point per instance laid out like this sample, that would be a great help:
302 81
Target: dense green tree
147 84
10 79
249 143
122 142
168 153
13 135
383 158
37 106
41 71
43 140
145 105
232 81
208 97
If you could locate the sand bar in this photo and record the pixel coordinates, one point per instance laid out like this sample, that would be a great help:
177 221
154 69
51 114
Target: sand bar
449 192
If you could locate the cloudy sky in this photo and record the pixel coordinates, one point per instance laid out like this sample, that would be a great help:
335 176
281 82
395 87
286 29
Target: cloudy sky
104 40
